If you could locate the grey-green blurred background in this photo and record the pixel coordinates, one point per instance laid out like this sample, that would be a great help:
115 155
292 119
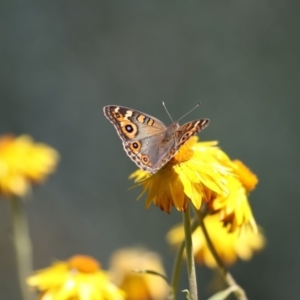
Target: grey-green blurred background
62 61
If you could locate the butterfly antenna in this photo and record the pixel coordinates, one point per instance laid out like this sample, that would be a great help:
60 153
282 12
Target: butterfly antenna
164 105
189 112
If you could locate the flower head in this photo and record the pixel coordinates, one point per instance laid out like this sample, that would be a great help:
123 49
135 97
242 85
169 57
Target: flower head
201 172
234 208
229 245
195 172
23 162
124 266
79 278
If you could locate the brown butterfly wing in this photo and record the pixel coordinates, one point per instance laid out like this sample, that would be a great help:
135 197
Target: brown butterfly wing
132 124
189 129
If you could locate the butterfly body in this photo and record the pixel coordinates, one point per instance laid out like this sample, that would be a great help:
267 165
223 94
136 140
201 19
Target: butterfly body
146 140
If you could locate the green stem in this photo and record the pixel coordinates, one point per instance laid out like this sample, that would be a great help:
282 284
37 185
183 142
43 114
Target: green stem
22 244
189 255
178 263
176 270
239 293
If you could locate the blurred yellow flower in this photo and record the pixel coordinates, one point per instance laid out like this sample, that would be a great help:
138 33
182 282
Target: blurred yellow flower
138 286
228 245
248 179
196 172
22 162
234 208
79 278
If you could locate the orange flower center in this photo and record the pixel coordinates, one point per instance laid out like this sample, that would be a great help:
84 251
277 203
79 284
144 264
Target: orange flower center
185 151
84 263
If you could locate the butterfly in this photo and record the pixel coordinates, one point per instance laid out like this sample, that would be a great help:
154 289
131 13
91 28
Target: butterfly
146 140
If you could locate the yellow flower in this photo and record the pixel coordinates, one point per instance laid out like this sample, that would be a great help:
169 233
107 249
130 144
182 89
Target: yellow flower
138 286
229 245
202 172
234 208
23 162
196 172
79 278
248 179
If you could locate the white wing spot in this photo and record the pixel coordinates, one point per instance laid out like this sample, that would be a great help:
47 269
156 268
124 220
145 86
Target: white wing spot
128 114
